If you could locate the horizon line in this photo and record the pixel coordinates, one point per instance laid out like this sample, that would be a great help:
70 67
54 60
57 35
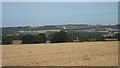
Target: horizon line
57 24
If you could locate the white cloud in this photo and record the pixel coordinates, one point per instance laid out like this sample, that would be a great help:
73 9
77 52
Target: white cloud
60 0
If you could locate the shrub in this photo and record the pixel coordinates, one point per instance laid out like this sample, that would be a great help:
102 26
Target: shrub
40 38
85 36
117 36
28 39
31 39
59 37
6 40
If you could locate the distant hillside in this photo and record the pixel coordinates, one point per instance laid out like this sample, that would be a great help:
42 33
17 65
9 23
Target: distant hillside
70 27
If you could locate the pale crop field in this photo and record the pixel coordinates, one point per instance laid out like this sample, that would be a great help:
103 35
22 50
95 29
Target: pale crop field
61 54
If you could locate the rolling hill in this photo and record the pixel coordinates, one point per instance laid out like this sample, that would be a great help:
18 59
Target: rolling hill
55 28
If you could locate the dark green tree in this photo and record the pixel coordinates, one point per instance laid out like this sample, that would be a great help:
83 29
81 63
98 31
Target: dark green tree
28 39
117 36
40 38
85 36
6 40
59 37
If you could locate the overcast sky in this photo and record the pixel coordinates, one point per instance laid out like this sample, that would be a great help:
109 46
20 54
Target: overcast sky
55 13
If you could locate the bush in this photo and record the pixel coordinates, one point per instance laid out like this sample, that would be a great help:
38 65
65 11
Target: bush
6 40
85 36
31 39
28 39
59 37
117 36
40 38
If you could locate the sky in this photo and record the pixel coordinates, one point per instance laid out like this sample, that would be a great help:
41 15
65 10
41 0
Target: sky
0 14
60 0
58 13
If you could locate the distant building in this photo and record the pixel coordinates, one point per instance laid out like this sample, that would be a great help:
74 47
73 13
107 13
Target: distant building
77 40
65 28
111 33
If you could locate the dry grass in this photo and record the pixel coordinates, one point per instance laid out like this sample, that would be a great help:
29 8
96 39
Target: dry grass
62 54
0 56
40 31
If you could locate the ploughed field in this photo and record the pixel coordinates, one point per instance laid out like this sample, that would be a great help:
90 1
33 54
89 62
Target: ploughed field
61 54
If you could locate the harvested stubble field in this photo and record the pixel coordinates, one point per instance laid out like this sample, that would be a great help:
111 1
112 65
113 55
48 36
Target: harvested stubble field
61 54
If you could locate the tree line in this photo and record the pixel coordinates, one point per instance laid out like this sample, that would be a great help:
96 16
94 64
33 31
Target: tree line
26 39
58 37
